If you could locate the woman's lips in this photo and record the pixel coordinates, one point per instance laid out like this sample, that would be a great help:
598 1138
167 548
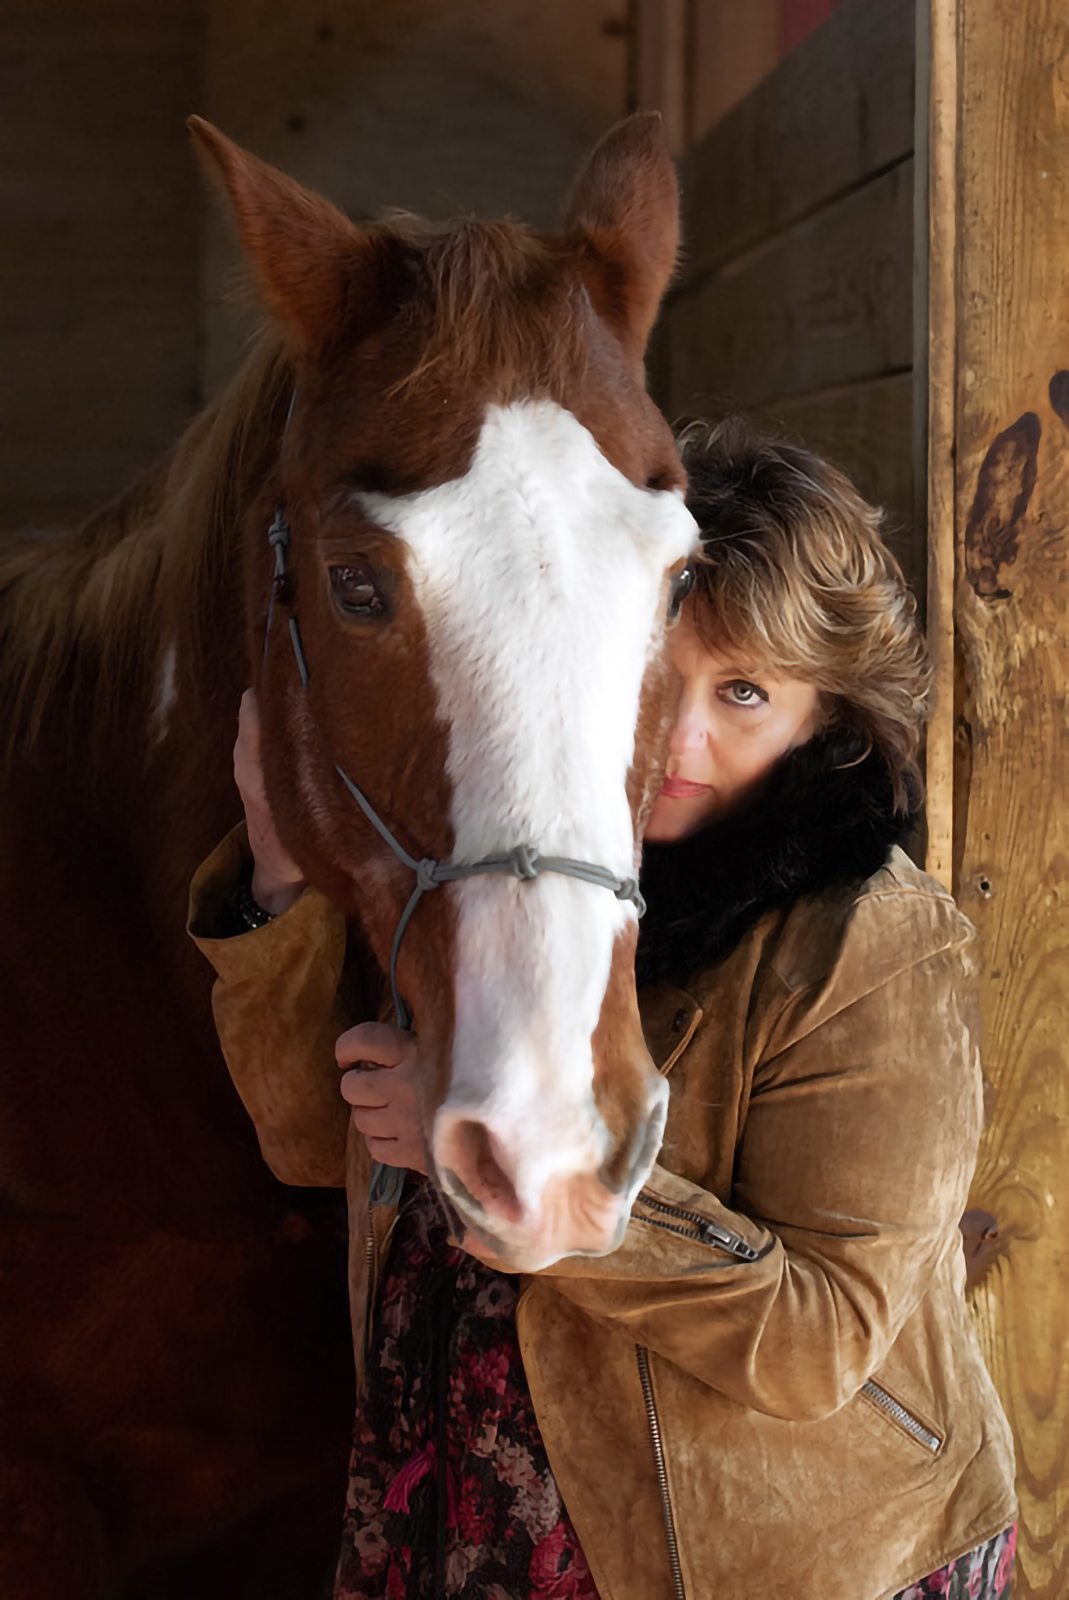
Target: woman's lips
682 789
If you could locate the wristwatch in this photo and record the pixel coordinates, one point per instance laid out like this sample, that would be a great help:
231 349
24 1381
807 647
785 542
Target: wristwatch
248 911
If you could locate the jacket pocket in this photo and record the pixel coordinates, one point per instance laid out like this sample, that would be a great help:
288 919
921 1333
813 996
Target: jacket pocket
902 1417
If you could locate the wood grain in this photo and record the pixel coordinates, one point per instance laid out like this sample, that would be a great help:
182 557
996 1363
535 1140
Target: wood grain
938 313
827 302
866 429
1012 615
834 112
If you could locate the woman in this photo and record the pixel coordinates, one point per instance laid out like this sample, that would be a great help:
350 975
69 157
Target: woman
772 1388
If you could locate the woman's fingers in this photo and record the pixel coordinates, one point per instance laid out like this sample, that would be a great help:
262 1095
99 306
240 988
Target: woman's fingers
375 1042
379 1122
248 771
276 877
409 1153
363 1087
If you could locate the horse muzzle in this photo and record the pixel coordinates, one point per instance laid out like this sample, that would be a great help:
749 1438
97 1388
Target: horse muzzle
531 1191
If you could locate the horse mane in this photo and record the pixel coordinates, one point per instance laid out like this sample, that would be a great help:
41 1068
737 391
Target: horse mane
98 599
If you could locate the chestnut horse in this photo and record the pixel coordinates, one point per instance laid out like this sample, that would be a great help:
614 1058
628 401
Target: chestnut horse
439 523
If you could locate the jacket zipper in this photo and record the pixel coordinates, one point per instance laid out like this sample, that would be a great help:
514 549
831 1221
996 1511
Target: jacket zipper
693 1226
642 1356
904 1418
369 1303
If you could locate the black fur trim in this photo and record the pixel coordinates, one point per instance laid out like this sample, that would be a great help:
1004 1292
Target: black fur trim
824 820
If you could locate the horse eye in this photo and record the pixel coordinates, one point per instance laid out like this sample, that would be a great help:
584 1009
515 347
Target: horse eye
356 590
682 584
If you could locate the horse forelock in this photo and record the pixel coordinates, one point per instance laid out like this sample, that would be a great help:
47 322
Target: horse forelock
500 305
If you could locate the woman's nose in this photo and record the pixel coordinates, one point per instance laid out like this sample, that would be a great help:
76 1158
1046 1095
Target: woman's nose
689 731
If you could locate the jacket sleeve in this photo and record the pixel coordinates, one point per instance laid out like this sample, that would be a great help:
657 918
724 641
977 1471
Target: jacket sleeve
851 1174
278 1007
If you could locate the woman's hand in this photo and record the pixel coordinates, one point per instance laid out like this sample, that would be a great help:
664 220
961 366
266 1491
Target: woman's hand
383 1092
276 877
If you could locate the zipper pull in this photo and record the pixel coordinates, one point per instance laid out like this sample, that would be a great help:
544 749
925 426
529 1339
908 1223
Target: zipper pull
712 1233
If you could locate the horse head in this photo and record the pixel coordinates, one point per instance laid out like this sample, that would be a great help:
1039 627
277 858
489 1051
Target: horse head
486 540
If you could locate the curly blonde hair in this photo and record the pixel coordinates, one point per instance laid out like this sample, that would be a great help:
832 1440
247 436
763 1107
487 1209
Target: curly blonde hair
793 571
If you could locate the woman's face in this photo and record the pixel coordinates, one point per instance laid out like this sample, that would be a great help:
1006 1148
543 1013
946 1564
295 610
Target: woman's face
736 719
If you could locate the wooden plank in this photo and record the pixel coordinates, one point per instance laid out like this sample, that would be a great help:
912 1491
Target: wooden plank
833 113
938 27
1012 613
659 65
798 18
734 45
866 429
826 303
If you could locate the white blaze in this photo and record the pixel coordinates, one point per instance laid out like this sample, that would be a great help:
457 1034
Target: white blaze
540 575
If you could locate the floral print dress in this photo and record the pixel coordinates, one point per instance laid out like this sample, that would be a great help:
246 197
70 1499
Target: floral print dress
450 1492
986 1573
451 1496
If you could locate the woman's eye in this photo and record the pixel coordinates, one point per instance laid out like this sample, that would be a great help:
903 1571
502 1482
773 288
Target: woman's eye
356 590
745 694
682 584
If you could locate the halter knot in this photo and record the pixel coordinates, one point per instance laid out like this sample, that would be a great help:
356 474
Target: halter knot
427 874
524 861
279 531
629 890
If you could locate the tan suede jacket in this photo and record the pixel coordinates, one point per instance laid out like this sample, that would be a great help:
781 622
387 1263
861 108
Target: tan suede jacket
772 1390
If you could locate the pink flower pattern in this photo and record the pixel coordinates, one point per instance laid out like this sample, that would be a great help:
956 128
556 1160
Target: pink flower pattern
986 1573
445 1324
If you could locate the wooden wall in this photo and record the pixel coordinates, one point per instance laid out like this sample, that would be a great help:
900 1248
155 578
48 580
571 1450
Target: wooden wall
694 60
999 476
440 106
99 254
117 312
796 297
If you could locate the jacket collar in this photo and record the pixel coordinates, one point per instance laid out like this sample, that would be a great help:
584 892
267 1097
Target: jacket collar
825 819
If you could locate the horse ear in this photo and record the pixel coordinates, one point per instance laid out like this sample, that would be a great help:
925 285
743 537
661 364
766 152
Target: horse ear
303 251
624 211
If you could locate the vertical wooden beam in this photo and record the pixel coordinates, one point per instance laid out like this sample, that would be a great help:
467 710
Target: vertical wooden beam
660 66
1010 319
734 44
935 372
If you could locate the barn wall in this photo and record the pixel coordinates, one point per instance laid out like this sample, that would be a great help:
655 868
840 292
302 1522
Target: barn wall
440 106
116 274
796 301
999 476
99 262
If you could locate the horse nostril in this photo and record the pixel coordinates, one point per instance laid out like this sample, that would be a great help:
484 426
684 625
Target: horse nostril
648 1147
629 1168
470 1168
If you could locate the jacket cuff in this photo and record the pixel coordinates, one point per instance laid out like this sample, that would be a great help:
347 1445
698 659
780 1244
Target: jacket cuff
213 884
310 916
